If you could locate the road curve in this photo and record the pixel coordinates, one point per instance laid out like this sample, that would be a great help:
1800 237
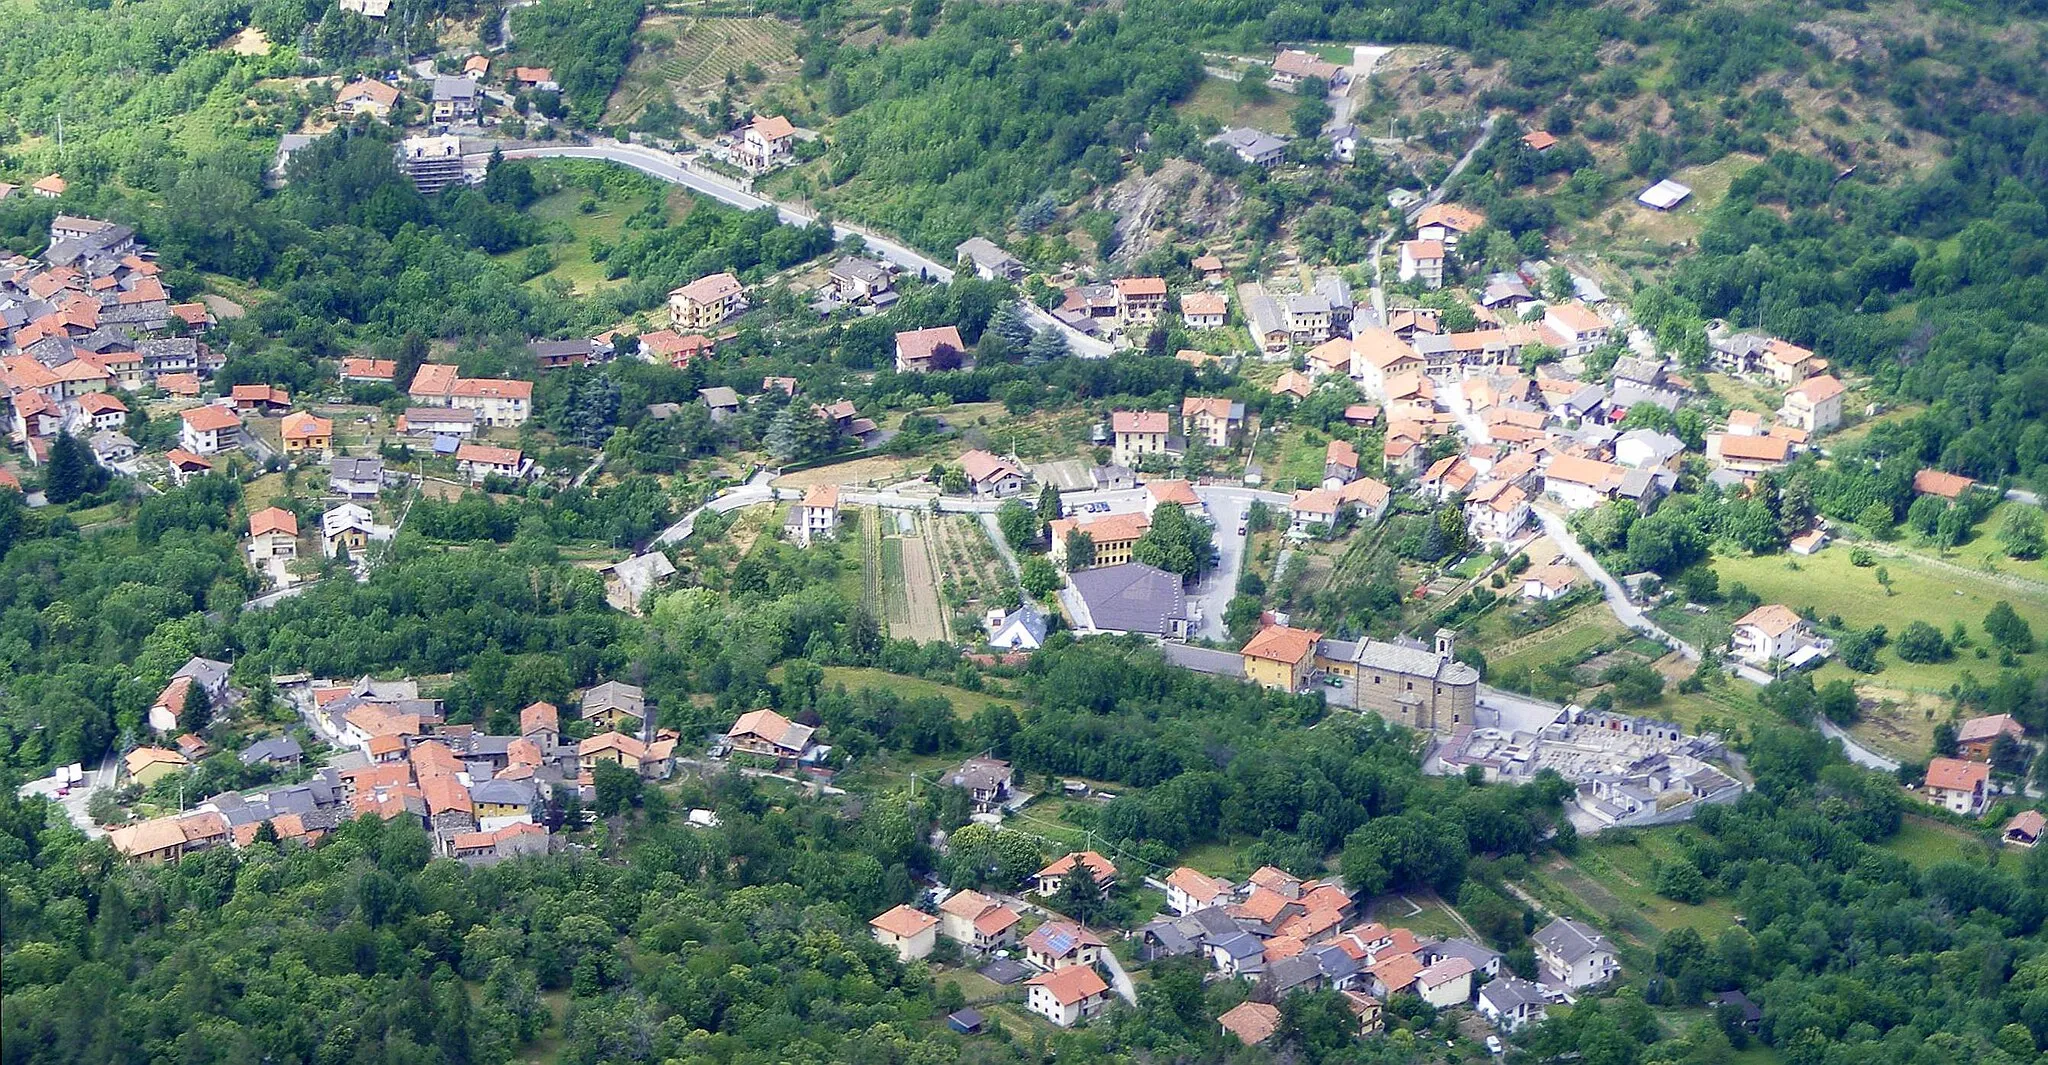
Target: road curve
663 165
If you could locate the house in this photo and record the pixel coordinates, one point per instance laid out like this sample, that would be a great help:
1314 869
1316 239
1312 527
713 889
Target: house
988 262
480 461
564 354
1140 300
2025 829
1642 449
260 399
1205 310
1958 786
1068 996
306 435
1262 317
476 66
1308 318
348 527
1549 582
1340 464
1392 972
675 349
770 735
1445 983
540 723
858 280
1581 483
365 97
615 706
456 99
170 838
767 140
989 477
1512 1003
933 349
1367 497
356 478
1772 633
1137 433
1313 513
210 430
496 402
1022 629
1496 512
817 516
706 302
1447 223
369 371
36 415
1484 962
1976 736
1423 260
1814 405
49 188
910 933
110 447
721 401
147 765
1188 890
1281 657
275 751
1537 140
1574 955
1293 384
1932 482
1292 66
185 465
1059 944
1788 363
985 780
1747 1013
1748 454
437 423
1132 597
273 535
977 922
1255 147
1214 420
540 79
1251 1022
1047 881
1577 327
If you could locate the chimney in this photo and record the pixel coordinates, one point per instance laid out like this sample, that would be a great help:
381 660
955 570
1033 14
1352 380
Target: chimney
1444 637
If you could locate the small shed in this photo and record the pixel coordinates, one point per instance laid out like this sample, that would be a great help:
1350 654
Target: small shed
966 1022
1664 195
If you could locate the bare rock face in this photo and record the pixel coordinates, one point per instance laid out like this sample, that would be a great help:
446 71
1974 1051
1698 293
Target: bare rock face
1180 201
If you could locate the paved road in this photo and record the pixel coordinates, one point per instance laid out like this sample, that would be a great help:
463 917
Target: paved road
1119 980
1079 343
1857 753
1344 101
74 804
1228 506
1002 546
2021 495
731 499
1617 597
1436 196
663 165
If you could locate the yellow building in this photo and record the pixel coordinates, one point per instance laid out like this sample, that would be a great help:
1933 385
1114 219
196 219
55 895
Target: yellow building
1281 658
705 302
305 434
147 765
1113 536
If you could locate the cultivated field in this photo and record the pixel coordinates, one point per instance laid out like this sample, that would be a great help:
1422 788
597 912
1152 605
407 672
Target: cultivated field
684 58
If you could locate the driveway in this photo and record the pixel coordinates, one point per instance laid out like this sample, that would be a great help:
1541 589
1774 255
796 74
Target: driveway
1617 598
1119 980
102 776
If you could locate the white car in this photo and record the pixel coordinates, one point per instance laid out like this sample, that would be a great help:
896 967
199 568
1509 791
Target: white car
1494 1047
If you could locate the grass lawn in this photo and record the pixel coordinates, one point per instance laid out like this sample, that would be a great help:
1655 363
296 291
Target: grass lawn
1224 859
965 703
1401 911
572 230
1571 636
1218 99
1624 866
1924 842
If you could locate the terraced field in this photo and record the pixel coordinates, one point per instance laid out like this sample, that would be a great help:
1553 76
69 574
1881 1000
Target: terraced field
685 58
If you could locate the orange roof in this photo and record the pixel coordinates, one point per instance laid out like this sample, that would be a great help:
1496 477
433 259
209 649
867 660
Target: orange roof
179 384
445 794
1197 884
53 184
2031 823
542 715
1341 453
381 369
1817 389
1282 643
822 496
300 425
1138 421
1773 618
1395 971
491 388
1576 470
904 922
1577 316
1422 250
211 419
186 460
1141 286
101 403
1206 263
1176 491
1946 485
919 344
710 288
1755 448
1539 140
273 520
1450 216
773 127
1954 774
258 394
1194 303
1109 529
433 379
487 454
1382 348
533 75
1281 947
1293 384
365 89
1070 985
1104 868
1214 406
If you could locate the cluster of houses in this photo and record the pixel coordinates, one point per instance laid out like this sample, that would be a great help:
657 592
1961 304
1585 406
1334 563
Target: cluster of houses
1962 784
87 319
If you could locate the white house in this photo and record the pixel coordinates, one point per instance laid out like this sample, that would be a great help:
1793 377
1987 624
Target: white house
1067 997
1581 484
1188 890
976 921
817 517
1772 632
1511 1003
1958 786
1423 260
1022 629
1496 512
911 933
1814 404
1575 955
210 430
1137 433
1313 513
991 477
1578 329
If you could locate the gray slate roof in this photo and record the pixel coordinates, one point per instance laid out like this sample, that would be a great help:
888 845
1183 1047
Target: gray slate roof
1571 941
1132 597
